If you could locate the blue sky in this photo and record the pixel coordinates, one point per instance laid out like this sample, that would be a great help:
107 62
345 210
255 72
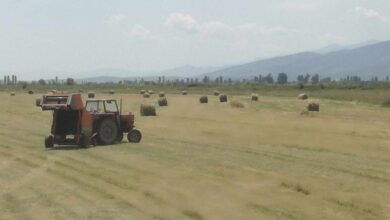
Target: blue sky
44 38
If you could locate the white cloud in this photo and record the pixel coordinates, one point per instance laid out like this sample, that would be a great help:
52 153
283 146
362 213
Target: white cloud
140 31
118 18
372 14
183 22
187 23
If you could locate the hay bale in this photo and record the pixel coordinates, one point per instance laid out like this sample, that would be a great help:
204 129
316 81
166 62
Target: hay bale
255 97
161 94
151 92
81 91
30 92
216 93
148 110
223 98
146 95
142 92
91 95
111 92
236 104
303 96
184 92
54 91
12 94
38 102
204 99
313 107
162 102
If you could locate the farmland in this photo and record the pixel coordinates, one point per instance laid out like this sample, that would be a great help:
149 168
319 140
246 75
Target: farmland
205 161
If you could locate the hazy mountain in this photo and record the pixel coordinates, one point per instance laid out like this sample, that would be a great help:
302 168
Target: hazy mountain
337 47
364 61
189 71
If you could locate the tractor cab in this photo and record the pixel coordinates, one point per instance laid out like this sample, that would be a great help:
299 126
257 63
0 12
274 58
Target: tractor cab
102 106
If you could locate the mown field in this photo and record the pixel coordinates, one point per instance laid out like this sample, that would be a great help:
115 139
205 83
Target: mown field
265 161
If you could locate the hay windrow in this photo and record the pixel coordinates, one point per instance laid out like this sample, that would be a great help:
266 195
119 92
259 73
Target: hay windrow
148 110
204 99
162 102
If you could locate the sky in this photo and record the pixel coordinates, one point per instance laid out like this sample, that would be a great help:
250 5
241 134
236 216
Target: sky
73 38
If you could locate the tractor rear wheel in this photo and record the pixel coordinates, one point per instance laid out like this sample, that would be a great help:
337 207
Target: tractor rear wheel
107 132
49 141
134 136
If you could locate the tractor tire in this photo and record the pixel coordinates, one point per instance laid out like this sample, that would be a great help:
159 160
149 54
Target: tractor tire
134 136
49 141
119 139
83 142
107 132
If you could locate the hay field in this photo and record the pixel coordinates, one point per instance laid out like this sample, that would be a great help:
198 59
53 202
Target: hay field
209 161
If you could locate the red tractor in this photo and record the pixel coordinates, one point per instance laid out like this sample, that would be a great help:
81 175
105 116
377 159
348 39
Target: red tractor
99 122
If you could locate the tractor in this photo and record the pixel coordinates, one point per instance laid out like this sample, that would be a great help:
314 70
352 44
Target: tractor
100 122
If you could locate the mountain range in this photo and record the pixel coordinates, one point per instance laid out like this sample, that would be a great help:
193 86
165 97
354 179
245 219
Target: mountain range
367 59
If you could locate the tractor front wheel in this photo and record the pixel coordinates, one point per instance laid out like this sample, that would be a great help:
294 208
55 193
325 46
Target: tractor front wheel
107 132
134 136
49 141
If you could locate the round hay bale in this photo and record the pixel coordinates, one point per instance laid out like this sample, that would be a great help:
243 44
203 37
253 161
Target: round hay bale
313 107
151 92
12 94
184 92
236 104
223 98
91 95
38 102
255 97
54 91
148 110
216 93
30 92
142 92
303 96
146 95
161 94
162 102
204 99
111 92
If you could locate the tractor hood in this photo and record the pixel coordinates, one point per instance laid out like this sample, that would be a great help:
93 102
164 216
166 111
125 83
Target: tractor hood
62 101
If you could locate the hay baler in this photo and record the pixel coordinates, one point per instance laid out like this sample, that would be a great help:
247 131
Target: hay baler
100 122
